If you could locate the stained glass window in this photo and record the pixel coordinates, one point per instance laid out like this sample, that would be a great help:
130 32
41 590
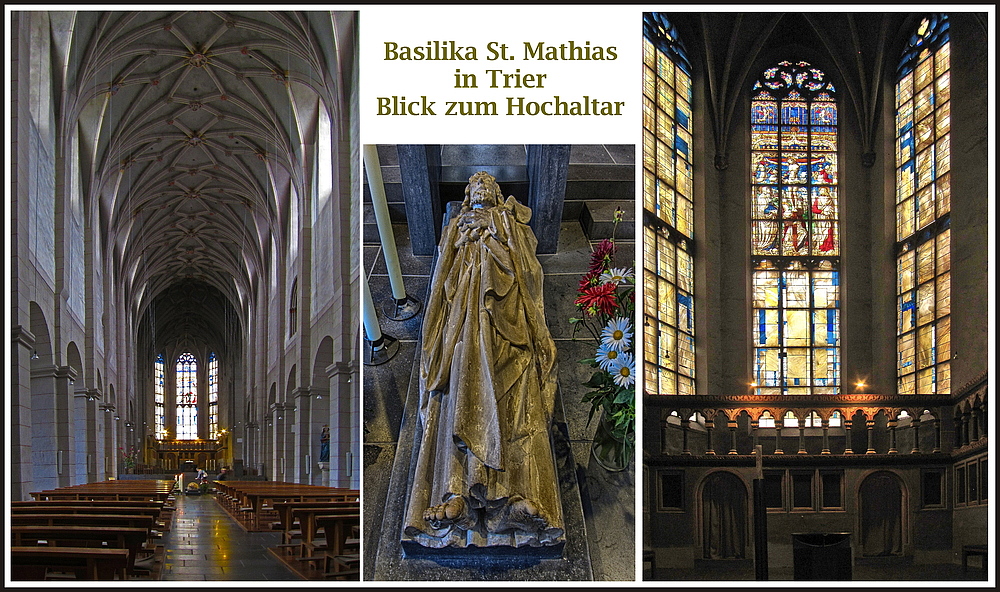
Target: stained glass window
668 225
187 397
213 397
159 400
795 235
923 211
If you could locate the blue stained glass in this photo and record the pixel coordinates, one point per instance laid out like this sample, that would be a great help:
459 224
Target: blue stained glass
762 326
836 279
682 147
682 118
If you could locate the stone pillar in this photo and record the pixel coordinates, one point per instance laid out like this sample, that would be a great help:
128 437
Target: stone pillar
277 437
802 436
937 434
778 421
305 456
420 173
892 436
84 429
870 425
20 421
709 426
548 167
685 431
732 436
916 435
847 422
826 436
65 415
345 425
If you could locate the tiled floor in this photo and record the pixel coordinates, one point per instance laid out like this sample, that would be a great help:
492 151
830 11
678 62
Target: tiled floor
204 543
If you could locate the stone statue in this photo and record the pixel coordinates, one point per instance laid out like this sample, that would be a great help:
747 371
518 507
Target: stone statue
485 474
324 444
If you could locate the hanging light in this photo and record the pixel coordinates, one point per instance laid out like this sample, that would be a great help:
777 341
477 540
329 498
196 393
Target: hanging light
34 354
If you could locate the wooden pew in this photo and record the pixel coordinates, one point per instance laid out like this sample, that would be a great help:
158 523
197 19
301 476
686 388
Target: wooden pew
110 520
132 539
341 544
34 563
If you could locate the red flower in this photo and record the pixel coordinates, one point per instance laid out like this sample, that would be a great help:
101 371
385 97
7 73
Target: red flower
603 253
592 278
598 299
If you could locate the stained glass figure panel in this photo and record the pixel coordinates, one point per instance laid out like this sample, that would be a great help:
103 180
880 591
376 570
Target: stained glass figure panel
187 396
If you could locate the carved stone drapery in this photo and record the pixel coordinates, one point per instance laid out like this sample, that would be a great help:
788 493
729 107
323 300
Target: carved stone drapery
485 474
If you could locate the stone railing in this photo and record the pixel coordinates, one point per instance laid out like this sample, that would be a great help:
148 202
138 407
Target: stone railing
855 424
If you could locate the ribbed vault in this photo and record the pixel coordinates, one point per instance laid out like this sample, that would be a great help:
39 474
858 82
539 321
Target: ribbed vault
195 137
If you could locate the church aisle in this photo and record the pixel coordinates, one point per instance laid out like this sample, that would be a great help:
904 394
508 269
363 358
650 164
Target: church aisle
204 543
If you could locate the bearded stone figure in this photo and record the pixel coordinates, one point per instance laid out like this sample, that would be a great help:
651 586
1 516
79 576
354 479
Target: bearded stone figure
485 474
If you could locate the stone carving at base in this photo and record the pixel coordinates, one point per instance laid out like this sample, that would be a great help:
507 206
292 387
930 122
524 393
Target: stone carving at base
485 474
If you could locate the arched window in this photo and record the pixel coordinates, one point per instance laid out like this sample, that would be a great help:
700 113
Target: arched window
187 397
159 413
795 240
213 397
668 211
293 308
923 211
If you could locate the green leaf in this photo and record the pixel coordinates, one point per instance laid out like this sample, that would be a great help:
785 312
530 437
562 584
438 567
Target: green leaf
597 380
626 395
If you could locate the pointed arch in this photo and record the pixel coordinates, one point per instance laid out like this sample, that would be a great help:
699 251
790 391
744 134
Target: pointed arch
795 244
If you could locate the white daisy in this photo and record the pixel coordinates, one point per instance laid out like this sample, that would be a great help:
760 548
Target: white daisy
606 357
623 370
617 275
617 335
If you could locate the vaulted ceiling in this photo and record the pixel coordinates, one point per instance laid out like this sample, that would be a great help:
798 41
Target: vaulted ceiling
195 130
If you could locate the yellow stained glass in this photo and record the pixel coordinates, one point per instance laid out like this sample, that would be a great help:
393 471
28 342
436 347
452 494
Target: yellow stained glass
942 60
904 90
904 272
925 303
944 251
923 103
798 367
943 289
943 194
925 262
943 153
925 167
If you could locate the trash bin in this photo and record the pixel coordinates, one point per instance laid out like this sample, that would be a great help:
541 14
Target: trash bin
822 556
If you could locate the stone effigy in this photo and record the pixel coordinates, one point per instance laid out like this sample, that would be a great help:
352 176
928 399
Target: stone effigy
485 474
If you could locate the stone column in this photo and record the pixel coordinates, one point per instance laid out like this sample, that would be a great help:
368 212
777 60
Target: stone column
892 436
548 167
304 456
345 425
916 435
709 426
732 436
802 436
420 173
826 436
870 425
685 433
20 421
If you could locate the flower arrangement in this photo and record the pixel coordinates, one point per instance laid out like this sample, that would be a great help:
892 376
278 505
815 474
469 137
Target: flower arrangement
130 458
606 299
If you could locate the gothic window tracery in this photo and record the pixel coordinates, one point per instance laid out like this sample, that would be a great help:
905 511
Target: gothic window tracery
795 244
159 398
213 396
187 397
